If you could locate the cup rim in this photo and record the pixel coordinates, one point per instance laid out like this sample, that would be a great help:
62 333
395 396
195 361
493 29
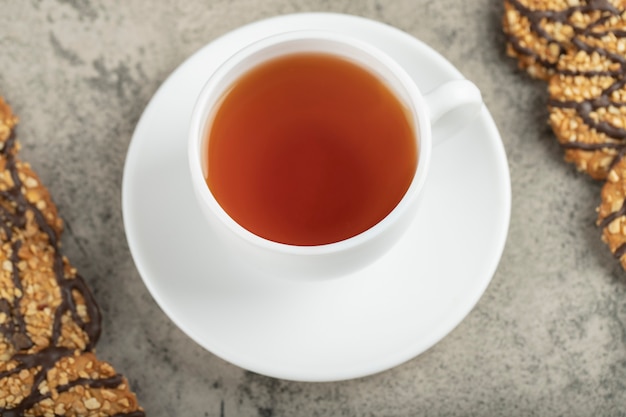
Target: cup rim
418 111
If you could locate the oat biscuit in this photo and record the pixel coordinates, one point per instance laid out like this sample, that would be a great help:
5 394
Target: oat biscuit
588 98
588 117
540 32
70 383
49 320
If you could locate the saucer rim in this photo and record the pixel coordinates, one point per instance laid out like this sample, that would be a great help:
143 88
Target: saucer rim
409 351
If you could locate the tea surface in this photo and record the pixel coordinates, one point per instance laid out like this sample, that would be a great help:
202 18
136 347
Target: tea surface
310 149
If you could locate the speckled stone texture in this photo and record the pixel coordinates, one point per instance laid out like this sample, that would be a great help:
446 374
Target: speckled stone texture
548 337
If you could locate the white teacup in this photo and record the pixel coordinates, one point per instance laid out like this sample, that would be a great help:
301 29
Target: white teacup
459 101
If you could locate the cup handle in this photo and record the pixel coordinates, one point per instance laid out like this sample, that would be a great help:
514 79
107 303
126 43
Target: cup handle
452 106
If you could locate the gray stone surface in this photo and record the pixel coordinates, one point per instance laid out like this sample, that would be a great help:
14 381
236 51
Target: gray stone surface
548 337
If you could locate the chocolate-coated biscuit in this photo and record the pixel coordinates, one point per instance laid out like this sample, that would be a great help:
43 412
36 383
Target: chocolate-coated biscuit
43 302
579 46
588 99
540 32
63 382
587 120
49 320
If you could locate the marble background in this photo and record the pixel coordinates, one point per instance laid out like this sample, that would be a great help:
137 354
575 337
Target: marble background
547 338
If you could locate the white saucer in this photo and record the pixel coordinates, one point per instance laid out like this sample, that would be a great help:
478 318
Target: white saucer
321 331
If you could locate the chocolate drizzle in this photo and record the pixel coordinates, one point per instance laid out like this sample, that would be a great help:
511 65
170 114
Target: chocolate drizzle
584 110
620 251
13 217
536 17
586 107
46 359
618 158
16 333
616 214
587 39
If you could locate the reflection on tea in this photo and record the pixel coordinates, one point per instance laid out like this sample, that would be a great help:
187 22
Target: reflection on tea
310 149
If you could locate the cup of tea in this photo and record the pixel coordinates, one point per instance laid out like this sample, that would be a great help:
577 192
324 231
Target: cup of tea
309 151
